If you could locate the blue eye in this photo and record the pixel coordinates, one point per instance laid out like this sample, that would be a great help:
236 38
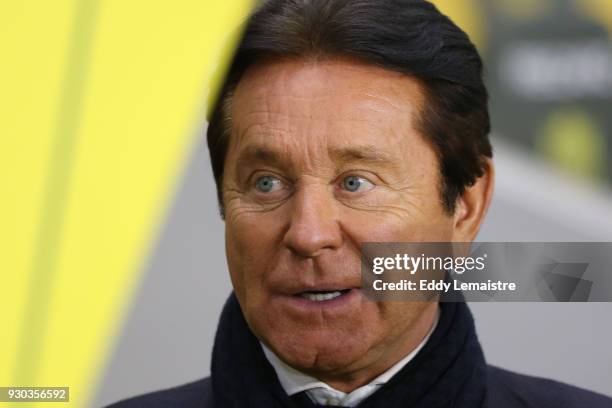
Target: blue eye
267 184
355 184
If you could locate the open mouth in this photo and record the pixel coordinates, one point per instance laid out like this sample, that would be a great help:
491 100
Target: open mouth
322 296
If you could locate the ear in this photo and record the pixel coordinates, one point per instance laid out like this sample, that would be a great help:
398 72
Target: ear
472 206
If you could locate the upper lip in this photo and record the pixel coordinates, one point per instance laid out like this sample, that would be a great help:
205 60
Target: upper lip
320 288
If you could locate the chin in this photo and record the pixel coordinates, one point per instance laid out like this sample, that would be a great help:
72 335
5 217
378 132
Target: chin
319 350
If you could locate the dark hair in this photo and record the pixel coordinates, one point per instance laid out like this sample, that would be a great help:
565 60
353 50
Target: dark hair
407 36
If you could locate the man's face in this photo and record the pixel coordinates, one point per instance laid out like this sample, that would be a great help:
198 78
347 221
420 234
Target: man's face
323 156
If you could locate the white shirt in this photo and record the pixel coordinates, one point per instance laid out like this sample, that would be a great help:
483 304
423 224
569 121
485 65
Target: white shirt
294 381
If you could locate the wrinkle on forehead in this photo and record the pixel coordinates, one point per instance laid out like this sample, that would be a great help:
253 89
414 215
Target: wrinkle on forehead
329 79
309 107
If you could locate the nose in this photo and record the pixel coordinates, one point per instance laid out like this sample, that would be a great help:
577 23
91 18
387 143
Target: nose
313 226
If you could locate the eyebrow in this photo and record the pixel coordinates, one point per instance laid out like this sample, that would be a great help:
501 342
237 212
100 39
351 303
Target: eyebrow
367 154
257 154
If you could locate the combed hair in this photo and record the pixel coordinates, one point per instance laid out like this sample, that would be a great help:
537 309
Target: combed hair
408 36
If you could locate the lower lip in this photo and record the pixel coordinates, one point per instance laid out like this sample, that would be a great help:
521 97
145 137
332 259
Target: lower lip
340 301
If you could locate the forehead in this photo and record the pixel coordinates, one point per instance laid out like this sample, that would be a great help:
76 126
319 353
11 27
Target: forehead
339 100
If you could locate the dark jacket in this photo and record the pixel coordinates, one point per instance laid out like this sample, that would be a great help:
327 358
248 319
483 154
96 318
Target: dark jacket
450 371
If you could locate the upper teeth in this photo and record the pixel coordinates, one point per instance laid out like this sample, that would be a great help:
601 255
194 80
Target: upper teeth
319 297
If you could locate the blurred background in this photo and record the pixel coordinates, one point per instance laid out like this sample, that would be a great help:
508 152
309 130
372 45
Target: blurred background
549 71
113 266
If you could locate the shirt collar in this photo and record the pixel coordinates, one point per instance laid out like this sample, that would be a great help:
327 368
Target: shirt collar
294 381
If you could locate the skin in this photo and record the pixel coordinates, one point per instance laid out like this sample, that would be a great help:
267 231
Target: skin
323 156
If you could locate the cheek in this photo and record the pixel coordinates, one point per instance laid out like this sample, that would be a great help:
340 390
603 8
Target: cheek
399 318
250 238
398 225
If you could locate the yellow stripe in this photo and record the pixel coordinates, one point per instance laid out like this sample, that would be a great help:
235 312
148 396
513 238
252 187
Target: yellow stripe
95 131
